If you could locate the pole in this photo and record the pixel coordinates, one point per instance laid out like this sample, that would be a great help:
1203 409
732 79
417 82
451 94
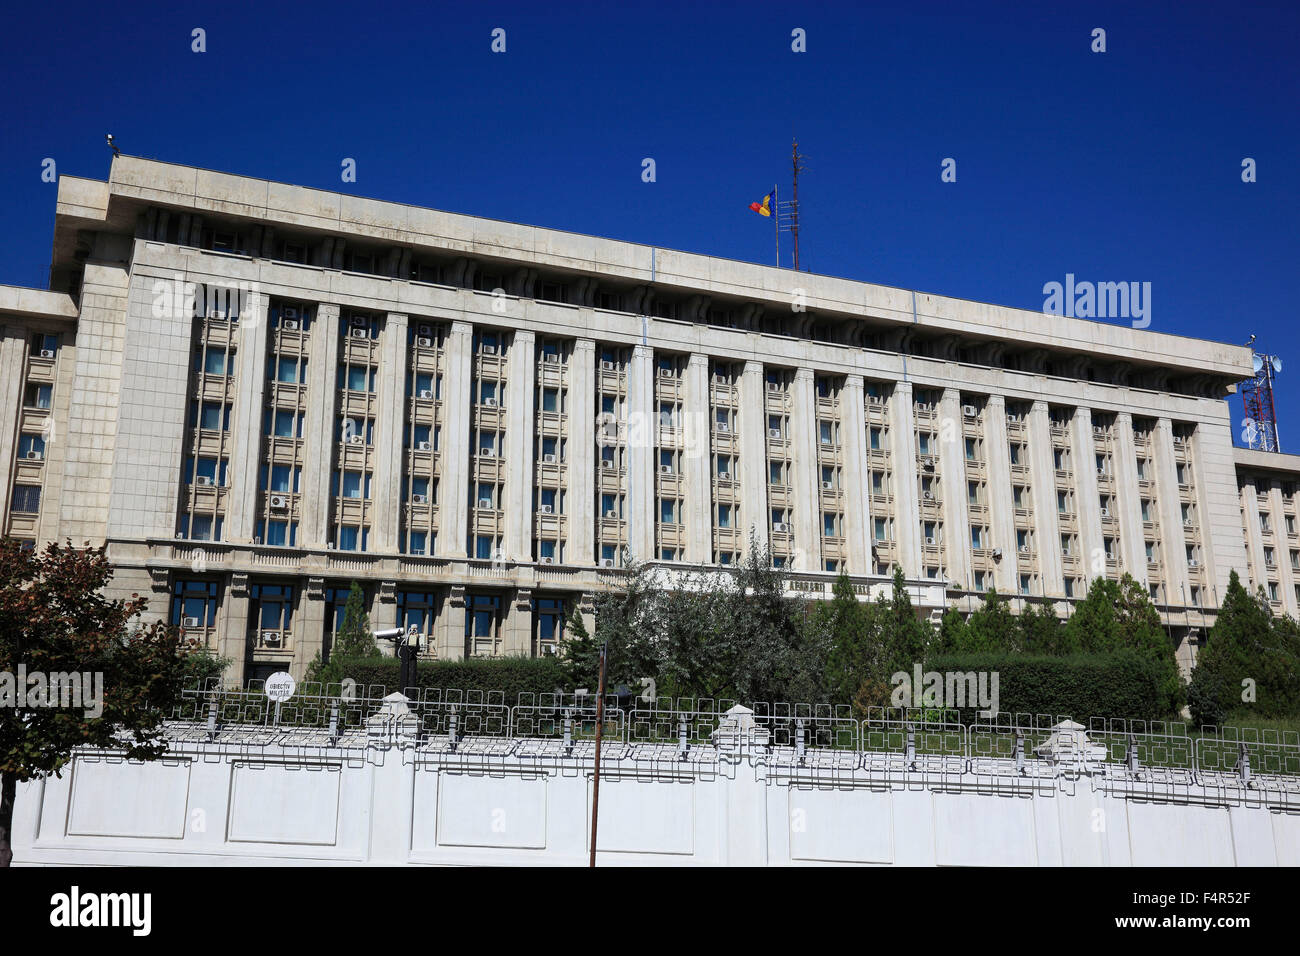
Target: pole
600 726
776 225
794 220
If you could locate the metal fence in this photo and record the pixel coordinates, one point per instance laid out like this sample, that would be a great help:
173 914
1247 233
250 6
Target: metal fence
1014 753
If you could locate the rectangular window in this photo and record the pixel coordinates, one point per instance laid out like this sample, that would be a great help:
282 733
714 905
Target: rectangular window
26 499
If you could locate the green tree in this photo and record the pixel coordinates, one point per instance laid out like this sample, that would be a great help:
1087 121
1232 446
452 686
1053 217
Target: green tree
54 620
1119 614
1247 644
1042 632
849 629
991 628
355 638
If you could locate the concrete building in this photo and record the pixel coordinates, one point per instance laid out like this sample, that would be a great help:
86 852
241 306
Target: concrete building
257 393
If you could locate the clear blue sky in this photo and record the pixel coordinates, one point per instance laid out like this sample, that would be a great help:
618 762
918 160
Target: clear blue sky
1122 166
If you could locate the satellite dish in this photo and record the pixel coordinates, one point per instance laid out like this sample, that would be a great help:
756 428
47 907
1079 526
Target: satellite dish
1277 364
1257 362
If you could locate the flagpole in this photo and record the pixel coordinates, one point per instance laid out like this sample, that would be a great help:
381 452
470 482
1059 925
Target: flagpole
776 225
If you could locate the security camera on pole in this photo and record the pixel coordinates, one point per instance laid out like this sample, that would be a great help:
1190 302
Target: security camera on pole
407 642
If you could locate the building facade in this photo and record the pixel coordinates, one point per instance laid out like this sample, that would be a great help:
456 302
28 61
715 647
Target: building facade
256 393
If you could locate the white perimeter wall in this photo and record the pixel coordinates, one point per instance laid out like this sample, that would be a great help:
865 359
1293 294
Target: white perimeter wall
215 808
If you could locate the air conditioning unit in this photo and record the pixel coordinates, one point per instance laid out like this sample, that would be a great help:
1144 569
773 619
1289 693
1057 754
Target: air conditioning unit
930 542
547 559
34 455
487 452
612 514
489 402
546 509
1098 431
1024 549
606 562
423 446
489 348
426 393
1101 472
485 503
424 342
1105 512
290 325
217 314
774 386
828 485
774 433
420 499
357 440
928 461
418 551
970 411
723 427
875 400
279 502
607 464
271 638
548 459
781 527
548 650
360 333
724 476
928 495
667 373
47 353
1193 563
1189 523
551 357
606 366
191 622
203 480
665 469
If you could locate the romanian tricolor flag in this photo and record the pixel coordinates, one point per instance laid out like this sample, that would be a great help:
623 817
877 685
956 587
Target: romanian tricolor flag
764 208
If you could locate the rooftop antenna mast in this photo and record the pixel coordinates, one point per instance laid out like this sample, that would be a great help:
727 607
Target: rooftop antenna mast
788 211
1260 430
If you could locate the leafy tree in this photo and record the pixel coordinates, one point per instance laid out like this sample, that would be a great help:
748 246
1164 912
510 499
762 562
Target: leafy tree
1042 632
1119 614
355 638
850 630
54 620
991 628
908 639
1247 643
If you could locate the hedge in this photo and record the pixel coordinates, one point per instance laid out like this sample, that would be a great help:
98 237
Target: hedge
509 675
1118 684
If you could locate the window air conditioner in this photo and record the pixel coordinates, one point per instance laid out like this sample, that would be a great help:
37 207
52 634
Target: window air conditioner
420 499
485 503
606 562
607 366
424 330
548 459
667 373
666 469
422 446
279 502
970 411
552 357
360 333
828 485
1105 512
774 433
290 325
773 386
929 541
487 452
607 464
611 514
781 527
203 480
1189 523
271 638
424 342
547 509
1024 549
34 455
928 461
547 559
1192 563
723 427
489 349
357 440
928 495
426 393
489 402
191 622
47 353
